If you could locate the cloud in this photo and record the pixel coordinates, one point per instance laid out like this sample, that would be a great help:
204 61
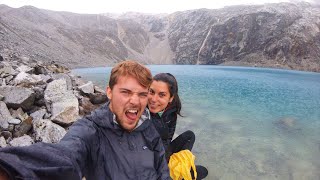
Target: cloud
310 1
315 2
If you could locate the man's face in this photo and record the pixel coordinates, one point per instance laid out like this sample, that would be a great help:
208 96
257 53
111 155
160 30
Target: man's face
128 99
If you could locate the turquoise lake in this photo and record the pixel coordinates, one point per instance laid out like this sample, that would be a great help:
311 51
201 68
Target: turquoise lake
250 123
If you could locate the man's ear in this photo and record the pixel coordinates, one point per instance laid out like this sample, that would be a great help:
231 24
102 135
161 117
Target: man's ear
109 94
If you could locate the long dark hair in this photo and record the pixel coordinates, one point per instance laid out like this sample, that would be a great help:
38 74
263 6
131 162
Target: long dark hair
173 88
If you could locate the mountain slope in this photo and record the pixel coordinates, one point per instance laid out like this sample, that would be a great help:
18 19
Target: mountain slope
280 35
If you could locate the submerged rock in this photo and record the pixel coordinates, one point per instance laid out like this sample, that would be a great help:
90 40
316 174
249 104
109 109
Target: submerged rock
287 124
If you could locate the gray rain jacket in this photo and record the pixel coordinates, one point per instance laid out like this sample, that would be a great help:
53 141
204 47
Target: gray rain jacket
94 147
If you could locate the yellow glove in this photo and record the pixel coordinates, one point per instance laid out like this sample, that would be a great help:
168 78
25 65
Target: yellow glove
180 164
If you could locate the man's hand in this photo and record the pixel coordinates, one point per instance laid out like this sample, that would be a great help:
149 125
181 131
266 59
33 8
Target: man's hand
3 175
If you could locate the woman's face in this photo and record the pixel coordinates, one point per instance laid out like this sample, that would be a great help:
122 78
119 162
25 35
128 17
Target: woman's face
159 96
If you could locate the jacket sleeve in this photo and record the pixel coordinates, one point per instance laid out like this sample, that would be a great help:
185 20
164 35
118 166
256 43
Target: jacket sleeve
64 160
161 162
172 125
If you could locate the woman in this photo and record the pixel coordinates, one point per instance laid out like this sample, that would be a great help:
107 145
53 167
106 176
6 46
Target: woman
165 105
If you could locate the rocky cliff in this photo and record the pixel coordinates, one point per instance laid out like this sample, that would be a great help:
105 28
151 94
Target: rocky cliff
280 35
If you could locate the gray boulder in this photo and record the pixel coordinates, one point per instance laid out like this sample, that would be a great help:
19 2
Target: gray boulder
65 77
4 116
23 128
87 88
38 114
16 97
24 77
47 131
3 142
24 68
62 103
21 141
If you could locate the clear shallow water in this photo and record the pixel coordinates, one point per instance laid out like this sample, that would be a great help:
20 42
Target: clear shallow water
250 123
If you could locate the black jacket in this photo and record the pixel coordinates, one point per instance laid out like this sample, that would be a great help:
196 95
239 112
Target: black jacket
94 147
166 124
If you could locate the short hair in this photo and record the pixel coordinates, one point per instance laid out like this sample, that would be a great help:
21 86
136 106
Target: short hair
133 69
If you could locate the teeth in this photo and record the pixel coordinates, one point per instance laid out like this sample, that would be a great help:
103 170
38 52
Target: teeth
132 111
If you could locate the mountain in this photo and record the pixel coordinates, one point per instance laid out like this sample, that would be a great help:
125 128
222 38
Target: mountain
282 35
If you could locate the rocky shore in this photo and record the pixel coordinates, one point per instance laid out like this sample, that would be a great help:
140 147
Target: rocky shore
39 101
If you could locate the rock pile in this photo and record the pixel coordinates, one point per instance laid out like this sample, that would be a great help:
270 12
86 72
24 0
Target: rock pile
39 101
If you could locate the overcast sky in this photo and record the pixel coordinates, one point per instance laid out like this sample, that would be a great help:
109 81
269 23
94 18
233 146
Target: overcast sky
144 6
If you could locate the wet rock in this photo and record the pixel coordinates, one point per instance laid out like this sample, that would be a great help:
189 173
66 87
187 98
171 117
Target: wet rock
16 97
47 131
21 141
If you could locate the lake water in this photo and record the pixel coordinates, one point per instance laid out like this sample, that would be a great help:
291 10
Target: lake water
250 123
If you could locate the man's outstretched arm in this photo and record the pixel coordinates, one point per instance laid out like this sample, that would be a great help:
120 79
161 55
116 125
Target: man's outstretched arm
64 160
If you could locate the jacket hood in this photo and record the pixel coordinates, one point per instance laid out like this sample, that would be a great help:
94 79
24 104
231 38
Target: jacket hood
104 117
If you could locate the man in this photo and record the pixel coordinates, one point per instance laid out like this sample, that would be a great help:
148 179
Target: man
117 141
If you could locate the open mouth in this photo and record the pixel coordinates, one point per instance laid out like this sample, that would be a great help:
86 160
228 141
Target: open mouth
132 114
